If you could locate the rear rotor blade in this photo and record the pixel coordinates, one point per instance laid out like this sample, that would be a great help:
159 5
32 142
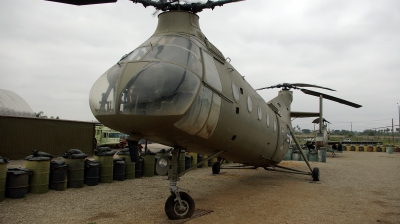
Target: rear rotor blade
328 97
309 85
270 87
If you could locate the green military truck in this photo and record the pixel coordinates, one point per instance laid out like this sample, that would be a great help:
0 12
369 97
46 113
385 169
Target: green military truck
104 136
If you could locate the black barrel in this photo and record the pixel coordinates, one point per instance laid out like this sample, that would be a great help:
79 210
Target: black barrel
188 161
58 175
3 176
199 159
92 172
155 164
210 163
119 169
17 184
139 168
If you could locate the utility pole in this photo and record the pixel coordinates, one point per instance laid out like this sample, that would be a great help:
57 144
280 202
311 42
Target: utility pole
392 132
398 108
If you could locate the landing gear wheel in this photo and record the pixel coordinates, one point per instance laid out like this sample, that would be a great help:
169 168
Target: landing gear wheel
315 174
173 210
216 168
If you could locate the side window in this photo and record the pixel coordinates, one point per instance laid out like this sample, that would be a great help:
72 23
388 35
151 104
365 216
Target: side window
236 93
274 125
211 74
259 112
249 104
267 119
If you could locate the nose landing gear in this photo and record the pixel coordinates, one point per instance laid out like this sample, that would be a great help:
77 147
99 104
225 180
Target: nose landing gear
179 206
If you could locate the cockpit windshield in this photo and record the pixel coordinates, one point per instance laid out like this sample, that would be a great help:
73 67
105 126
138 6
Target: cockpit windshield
177 49
159 89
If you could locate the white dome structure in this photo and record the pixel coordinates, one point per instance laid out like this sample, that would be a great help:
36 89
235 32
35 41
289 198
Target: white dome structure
13 105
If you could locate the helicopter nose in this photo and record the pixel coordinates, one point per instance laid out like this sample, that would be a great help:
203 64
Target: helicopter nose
158 89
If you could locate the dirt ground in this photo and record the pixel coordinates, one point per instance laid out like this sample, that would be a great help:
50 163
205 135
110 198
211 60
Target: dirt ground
355 187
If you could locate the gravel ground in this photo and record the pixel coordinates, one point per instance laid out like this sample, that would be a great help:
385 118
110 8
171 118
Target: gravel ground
355 187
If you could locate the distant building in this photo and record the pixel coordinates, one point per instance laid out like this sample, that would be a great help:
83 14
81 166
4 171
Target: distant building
11 104
21 131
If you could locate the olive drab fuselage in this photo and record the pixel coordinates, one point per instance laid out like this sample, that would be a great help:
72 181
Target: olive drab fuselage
178 89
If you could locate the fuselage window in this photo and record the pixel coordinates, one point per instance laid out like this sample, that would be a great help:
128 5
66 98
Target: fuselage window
267 119
249 104
259 112
211 73
235 90
274 125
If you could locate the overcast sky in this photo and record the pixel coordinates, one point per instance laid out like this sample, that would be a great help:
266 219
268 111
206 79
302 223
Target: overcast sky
51 54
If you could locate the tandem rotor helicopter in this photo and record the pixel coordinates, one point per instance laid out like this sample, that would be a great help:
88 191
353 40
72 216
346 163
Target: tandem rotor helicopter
178 89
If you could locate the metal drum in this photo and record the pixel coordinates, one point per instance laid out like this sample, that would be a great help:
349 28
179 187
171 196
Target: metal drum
58 175
212 161
352 148
288 155
379 148
374 148
194 159
188 161
119 169
313 156
361 148
348 148
296 156
305 151
76 172
148 166
200 158
322 154
17 184
92 172
129 166
206 163
383 148
389 150
156 158
39 181
357 148
106 168
3 175
139 168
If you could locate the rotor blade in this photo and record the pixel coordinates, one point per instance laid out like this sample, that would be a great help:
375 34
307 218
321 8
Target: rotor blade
309 85
83 2
328 97
266 88
198 7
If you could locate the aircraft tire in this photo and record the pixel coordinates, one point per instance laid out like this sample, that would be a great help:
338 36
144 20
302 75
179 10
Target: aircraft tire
315 174
172 206
216 168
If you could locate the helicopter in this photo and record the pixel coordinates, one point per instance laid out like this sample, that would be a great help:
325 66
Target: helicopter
178 89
